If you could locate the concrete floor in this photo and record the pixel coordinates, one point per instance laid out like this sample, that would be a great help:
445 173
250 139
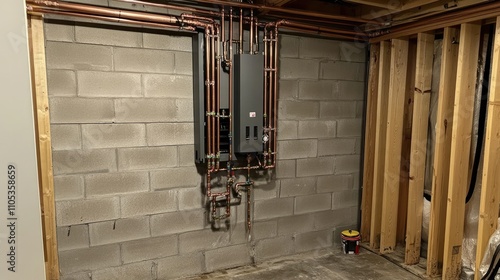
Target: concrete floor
320 265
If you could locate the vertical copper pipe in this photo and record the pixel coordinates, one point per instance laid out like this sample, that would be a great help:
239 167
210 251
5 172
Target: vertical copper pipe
230 64
266 73
208 97
275 93
223 35
240 43
271 80
219 65
212 90
256 40
251 31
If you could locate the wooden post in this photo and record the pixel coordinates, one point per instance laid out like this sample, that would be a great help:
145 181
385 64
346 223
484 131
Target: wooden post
490 196
397 87
468 52
380 136
421 104
39 77
369 152
442 148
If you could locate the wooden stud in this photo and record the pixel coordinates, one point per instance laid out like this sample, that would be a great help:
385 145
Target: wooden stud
468 52
404 182
421 104
442 148
39 77
369 152
490 196
380 136
397 87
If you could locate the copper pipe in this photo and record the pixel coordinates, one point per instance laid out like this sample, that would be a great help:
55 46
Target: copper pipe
319 28
251 32
286 10
172 7
208 20
208 99
110 19
240 43
219 65
271 81
266 73
257 33
223 35
275 93
230 65
322 34
212 90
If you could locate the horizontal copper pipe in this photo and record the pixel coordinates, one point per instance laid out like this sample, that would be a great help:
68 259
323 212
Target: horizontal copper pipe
320 33
173 7
320 28
36 9
286 10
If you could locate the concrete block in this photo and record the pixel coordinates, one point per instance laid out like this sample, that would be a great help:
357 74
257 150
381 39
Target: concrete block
266 191
349 128
177 222
313 240
62 55
274 247
316 90
66 137
116 183
350 90
227 257
147 158
186 155
83 161
264 230
298 110
148 203
347 164
190 198
288 90
313 203
341 70
292 149
289 46
295 224
285 169
119 230
175 178
273 208
56 31
338 146
72 237
89 259
184 63
98 136
140 270
319 48
356 178
146 110
170 134
292 68
345 199
167 42
184 110
170 86
297 186
317 129
287 130
202 240
353 51
182 265
81 110
337 109
108 35
143 60
61 83
333 218
68 187
360 109
315 166
109 84
149 249
334 183
87 211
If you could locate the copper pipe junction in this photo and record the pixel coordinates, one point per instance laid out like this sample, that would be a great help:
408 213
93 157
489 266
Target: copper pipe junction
218 56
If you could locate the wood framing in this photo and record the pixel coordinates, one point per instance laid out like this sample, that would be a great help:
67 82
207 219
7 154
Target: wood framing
392 168
442 147
380 136
46 179
490 196
468 52
369 151
421 103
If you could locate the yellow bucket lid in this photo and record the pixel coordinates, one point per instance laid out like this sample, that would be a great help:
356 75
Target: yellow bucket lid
350 233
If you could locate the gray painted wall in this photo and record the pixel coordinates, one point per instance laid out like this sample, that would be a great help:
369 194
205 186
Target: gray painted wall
129 200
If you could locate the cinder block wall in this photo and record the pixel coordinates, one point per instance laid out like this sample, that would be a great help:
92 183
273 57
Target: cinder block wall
129 196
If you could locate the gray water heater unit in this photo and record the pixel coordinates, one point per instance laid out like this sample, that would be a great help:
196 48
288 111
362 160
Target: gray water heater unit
248 118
